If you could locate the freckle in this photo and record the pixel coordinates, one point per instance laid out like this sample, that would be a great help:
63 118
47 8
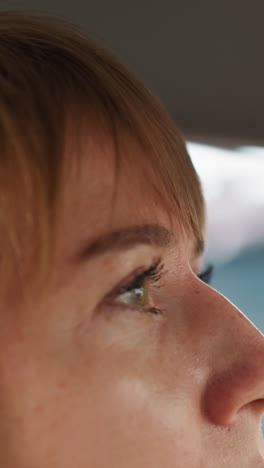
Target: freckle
18 420
38 409
61 383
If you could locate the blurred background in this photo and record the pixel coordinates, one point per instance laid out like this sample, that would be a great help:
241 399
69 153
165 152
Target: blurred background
204 60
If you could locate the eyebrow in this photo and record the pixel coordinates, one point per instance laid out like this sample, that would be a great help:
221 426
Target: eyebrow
123 239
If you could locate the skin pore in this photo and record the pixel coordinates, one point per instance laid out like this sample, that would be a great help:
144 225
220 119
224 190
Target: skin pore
90 381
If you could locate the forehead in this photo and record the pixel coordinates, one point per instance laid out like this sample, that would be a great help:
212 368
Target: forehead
101 193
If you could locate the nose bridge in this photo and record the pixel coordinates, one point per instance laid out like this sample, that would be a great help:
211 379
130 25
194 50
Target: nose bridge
234 351
217 317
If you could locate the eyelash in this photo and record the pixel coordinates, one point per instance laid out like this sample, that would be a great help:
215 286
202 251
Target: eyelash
154 273
206 275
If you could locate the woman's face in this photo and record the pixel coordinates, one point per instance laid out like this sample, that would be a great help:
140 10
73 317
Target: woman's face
92 376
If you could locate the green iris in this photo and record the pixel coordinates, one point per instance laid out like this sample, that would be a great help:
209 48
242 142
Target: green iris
135 296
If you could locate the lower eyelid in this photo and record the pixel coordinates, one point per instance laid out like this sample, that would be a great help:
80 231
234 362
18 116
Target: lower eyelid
138 310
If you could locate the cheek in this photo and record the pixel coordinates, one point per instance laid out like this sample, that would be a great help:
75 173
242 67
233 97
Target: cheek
126 422
110 410
121 421
146 421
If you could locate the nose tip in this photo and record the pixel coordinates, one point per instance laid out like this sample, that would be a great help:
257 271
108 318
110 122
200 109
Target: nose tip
236 388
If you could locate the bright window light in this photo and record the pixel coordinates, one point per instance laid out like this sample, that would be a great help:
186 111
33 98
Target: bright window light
233 184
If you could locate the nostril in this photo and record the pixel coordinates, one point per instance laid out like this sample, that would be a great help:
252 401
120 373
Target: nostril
237 388
257 406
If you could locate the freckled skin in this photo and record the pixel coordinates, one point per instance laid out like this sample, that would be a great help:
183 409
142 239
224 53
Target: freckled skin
82 385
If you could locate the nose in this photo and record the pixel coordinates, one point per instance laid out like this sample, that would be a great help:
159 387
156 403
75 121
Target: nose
235 379
235 387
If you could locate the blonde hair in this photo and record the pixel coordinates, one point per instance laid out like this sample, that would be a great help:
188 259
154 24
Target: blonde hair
51 71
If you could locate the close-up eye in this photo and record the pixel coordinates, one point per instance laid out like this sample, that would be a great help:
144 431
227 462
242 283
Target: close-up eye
207 274
136 293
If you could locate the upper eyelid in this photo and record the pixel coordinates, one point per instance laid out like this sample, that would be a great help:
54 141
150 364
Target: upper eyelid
132 277
138 274
131 284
